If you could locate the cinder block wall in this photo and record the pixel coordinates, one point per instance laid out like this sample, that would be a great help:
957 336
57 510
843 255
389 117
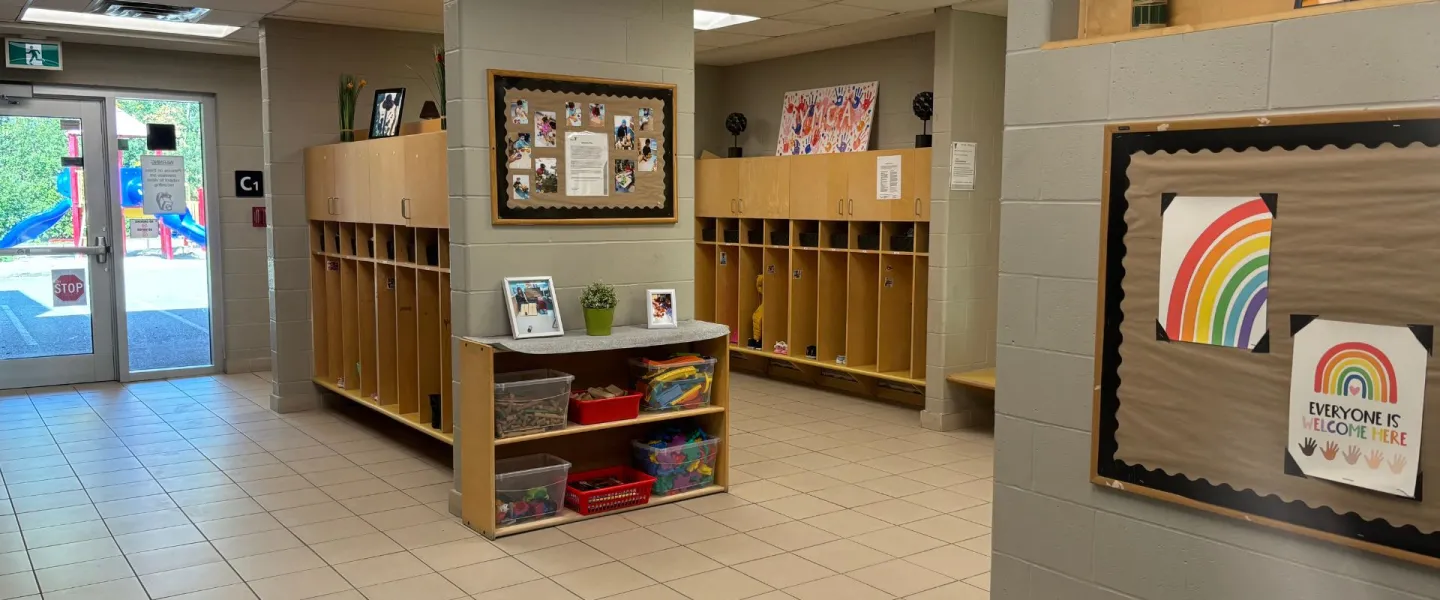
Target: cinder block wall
301 64
649 40
1056 535
232 80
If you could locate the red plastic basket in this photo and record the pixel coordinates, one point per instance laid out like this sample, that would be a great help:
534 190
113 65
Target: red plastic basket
633 493
591 412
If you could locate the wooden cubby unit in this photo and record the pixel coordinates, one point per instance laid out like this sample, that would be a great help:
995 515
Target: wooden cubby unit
851 270
380 283
585 447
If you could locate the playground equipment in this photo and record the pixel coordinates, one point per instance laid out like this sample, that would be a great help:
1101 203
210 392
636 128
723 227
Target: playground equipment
132 199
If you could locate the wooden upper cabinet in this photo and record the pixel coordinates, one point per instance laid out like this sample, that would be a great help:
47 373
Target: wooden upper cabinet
765 187
387 180
863 176
918 171
717 187
815 191
427 186
319 183
352 182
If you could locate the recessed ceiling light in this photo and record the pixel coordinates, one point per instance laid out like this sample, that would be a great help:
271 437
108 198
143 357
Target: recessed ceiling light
65 17
706 20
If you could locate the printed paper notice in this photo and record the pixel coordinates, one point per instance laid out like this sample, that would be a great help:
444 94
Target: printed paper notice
1357 404
887 177
962 166
586 158
163 181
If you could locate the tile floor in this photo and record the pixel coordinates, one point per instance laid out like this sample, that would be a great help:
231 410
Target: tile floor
192 489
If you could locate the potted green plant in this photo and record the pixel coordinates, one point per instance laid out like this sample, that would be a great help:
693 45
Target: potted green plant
598 300
350 87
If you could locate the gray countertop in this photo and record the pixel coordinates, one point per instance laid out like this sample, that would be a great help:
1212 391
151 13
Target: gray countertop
620 338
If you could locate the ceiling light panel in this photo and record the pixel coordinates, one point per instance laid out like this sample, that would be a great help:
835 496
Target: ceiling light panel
61 17
706 20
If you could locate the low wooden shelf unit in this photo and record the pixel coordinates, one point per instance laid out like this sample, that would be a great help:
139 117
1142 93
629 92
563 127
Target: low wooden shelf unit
593 362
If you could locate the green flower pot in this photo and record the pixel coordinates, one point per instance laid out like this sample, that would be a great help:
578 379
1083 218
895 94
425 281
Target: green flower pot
599 320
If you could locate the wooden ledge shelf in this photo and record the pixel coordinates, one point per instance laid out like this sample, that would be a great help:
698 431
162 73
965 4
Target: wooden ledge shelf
866 370
1107 21
983 379
644 418
568 516
411 420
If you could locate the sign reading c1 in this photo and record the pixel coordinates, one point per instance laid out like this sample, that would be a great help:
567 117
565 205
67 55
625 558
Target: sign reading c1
249 184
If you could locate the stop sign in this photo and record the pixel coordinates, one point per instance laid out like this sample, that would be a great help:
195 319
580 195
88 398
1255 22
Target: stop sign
69 289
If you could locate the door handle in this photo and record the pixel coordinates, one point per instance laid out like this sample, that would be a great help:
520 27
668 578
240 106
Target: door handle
742 206
101 250
840 207
405 208
917 207
852 206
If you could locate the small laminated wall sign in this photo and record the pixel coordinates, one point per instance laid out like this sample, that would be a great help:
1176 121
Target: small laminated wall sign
1268 293
581 151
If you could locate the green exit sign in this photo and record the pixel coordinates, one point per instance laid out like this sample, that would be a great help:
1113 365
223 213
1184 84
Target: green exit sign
32 54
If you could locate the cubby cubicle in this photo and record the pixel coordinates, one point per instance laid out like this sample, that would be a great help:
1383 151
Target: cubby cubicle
380 276
842 271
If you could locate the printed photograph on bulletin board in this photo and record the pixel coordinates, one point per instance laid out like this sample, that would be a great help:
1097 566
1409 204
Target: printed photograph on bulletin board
581 151
1265 327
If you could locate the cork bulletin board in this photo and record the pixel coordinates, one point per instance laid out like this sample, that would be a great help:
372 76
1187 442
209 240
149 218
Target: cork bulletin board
1348 205
581 151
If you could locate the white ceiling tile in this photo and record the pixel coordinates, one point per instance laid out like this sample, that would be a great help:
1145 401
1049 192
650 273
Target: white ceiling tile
998 8
73 5
249 34
230 17
771 27
362 17
821 39
721 38
898 5
10 9
836 14
423 7
758 8
254 6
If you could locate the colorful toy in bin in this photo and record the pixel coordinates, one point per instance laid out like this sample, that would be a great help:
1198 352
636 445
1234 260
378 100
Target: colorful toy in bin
678 383
518 507
679 461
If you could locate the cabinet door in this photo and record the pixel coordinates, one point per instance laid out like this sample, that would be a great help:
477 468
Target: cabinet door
918 171
817 187
717 187
862 202
765 187
426 184
387 180
319 183
352 182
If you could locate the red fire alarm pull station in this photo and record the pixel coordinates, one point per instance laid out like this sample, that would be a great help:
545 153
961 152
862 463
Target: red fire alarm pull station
257 216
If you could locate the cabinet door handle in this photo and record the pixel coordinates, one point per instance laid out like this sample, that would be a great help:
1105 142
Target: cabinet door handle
742 206
840 207
852 206
917 207
405 208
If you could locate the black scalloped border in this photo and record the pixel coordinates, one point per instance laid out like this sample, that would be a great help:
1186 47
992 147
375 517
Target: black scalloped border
664 95
1372 134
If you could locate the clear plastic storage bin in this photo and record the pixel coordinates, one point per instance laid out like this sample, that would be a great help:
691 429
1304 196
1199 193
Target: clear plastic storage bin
532 401
678 469
681 383
529 487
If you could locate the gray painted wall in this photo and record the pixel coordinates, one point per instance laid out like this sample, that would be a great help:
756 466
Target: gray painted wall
1056 535
301 65
904 67
234 81
710 134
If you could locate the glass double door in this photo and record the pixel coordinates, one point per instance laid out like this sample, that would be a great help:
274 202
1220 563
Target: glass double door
91 287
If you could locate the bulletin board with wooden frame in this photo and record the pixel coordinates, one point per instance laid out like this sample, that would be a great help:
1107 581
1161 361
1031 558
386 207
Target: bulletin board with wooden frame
1354 197
650 197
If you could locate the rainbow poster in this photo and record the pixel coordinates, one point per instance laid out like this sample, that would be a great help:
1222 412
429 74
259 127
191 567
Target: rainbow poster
1215 269
827 120
1357 402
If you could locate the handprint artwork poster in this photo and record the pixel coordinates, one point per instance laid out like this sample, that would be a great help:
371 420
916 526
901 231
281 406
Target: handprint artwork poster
1357 403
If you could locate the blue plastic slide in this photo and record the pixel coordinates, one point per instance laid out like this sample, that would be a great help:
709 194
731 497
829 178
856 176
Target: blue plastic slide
30 228
185 225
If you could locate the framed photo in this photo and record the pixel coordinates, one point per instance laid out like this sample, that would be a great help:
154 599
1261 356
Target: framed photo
662 309
385 116
534 310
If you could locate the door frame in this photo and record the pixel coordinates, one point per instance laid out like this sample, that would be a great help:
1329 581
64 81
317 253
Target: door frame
99 364
213 234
